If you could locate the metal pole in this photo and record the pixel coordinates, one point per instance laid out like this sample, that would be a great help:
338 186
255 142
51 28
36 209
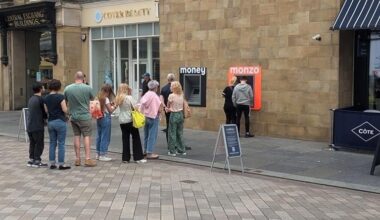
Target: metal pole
216 147
332 146
241 163
228 162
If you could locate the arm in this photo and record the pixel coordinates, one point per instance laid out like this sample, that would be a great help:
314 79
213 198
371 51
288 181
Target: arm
251 96
46 109
162 100
234 98
110 107
169 104
64 106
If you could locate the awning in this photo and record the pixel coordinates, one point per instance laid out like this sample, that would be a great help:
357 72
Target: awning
358 14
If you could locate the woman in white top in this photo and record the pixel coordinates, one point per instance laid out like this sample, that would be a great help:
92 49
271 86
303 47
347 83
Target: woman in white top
103 124
175 107
126 104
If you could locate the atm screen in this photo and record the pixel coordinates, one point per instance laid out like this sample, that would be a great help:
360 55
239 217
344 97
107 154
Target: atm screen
195 91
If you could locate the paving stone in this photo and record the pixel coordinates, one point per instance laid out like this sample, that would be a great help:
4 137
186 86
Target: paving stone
154 191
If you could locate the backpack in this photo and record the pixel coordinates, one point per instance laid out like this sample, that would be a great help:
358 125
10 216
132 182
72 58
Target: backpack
95 110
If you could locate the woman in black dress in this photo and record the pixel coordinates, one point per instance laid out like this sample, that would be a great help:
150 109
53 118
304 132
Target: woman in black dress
228 107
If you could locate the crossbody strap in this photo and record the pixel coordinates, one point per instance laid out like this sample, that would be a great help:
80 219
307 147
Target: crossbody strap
130 103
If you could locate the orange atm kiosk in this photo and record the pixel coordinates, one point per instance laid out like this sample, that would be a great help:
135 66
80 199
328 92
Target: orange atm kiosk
254 80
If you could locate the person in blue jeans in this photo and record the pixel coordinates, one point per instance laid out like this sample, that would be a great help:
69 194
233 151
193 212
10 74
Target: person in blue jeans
55 105
103 124
150 106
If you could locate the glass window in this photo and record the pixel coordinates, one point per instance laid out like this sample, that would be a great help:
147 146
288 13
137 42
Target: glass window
155 47
119 31
124 48
96 33
156 69
143 45
374 72
102 64
108 32
156 28
131 31
145 29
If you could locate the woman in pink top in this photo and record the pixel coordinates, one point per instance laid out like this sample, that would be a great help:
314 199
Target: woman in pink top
175 107
150 106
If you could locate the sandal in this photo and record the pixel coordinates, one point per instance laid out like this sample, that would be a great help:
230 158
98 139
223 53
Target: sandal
152 156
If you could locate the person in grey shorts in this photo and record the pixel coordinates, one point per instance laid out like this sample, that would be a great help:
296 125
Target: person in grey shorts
78 96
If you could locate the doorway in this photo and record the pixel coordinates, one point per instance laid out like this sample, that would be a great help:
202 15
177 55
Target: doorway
137 79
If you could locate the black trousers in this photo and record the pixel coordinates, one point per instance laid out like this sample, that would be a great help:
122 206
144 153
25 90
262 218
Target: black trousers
126 131
240 109
230 112
36 145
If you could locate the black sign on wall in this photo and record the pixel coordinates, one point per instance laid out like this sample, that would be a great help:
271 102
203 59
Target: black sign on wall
37 16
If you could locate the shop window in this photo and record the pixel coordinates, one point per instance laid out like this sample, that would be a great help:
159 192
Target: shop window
96 33
143 46
107 32
156 28
124 48
193 80
102 63
156 69
374 72
156 47
119 31
145 29
131 31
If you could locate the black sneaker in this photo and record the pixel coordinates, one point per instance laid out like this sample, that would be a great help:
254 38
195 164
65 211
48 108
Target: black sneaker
248 135
64 167
30 163
53 166
39 164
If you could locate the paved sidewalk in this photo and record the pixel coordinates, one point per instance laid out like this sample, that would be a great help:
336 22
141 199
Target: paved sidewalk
163 190
286 158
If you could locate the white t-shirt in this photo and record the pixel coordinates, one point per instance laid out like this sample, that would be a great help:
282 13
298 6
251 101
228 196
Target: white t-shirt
126 109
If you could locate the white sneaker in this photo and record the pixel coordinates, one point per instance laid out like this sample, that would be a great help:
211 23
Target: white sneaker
97 156
172 154
104 158
141 161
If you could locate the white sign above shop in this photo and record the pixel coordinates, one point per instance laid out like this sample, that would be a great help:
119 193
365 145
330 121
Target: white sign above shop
193 70
94 15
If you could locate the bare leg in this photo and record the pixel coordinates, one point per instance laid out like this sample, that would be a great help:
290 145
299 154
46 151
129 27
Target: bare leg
77 147
87 144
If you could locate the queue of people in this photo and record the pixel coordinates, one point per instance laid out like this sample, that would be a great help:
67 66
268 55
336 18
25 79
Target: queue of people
73 106
238 99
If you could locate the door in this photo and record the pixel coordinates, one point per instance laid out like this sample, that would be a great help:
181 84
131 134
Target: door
136 78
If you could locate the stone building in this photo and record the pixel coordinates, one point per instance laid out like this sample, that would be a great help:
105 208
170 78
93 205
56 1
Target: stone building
306 68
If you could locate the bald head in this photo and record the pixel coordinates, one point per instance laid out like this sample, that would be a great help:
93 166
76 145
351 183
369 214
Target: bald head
79 76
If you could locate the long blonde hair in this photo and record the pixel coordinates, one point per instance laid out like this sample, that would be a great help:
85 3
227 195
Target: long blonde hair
122 92
176 87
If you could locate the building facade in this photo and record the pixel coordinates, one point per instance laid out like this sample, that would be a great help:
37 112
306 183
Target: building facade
306 68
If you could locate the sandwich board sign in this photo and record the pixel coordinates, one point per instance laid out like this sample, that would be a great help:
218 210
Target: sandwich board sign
228 144
22 123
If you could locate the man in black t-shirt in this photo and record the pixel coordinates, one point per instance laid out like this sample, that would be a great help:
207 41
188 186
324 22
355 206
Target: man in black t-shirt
165 92
35 126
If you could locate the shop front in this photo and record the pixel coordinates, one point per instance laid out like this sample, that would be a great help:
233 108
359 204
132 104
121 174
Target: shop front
124 43
358 126
28 50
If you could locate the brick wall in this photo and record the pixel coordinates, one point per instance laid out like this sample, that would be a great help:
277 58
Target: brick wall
300 75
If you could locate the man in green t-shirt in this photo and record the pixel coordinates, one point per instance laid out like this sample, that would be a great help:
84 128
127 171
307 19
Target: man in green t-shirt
78 96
